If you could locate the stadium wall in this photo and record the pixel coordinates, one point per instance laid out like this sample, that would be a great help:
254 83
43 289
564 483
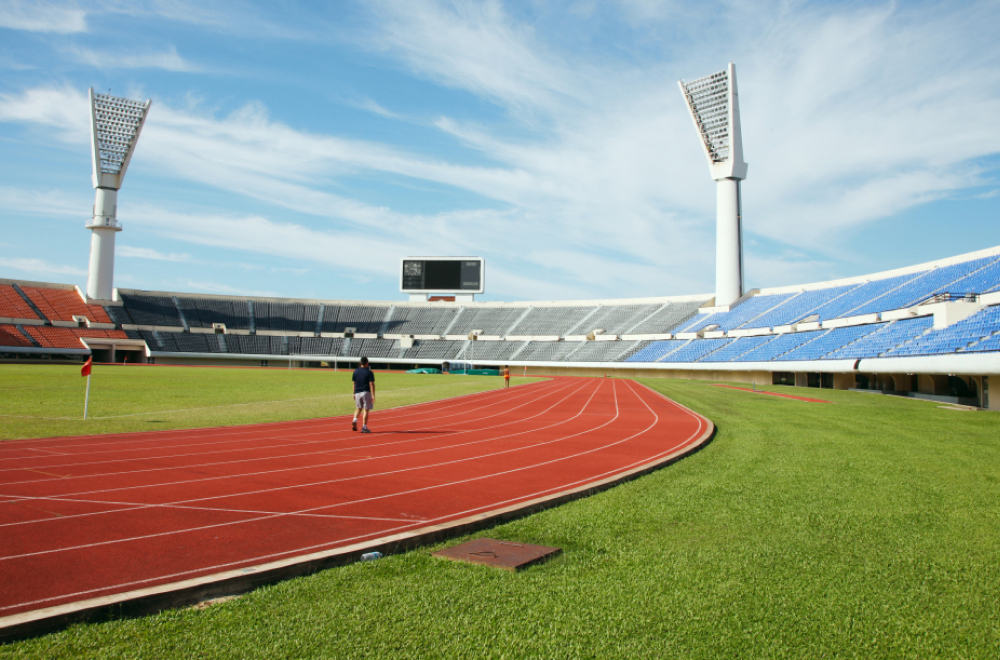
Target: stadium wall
941 339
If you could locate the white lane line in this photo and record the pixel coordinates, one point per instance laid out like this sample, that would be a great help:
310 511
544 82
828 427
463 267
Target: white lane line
312 466
45 451
224 405
332 506
241 431
348 435
432 521
69 496
241 437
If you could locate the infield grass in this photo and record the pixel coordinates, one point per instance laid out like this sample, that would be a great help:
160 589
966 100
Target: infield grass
865 528
39 401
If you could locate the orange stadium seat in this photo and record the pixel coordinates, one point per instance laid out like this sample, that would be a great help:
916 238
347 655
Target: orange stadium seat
12 305
11 336
63 304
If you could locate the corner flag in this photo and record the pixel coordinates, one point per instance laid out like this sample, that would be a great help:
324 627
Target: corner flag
85 371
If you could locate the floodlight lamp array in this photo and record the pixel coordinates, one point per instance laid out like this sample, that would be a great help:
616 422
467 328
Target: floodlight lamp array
117 122
708 99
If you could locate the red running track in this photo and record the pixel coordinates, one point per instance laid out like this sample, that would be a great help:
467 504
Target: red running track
93 516
783 396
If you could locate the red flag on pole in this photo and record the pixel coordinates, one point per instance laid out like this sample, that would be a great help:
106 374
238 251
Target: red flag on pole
85 371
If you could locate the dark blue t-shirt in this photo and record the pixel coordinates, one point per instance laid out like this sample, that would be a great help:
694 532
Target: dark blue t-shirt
362 377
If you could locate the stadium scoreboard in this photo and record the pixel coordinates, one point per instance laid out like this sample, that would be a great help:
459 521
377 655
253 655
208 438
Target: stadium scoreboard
442 275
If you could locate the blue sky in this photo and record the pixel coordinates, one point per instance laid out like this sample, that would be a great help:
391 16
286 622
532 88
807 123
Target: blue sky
297 151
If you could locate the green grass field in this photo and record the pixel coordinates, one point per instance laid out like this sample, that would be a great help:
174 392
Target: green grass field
869 528
44 401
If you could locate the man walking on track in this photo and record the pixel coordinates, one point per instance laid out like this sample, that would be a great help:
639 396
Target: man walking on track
364 395
506 377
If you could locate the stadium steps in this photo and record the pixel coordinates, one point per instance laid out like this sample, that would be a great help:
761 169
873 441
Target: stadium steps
27 335
915 298
30 303
11 335
64 304
319 318
883 295
673 350
454 320
794 311
988 266
774 310
848 345
734 351
632 350
751 302
180 313
629 350
188 309
384 327
912 341
667 319
579 325
797 347
514 355
527 310
253 318
659 309
12 306
846 292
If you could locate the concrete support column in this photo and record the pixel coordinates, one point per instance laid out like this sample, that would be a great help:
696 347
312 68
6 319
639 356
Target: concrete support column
843 381
728 242
940 384
103 226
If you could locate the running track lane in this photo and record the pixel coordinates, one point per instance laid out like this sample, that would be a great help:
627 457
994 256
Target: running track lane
95 516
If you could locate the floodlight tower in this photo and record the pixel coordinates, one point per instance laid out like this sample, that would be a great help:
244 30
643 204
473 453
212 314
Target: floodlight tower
115 124
715 109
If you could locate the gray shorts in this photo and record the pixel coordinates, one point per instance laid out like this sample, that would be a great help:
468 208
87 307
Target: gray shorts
363 400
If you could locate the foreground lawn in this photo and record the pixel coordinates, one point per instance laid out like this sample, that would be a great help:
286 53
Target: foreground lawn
47 400
866 528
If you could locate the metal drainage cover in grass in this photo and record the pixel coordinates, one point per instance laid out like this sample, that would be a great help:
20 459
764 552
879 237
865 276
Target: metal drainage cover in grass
502 554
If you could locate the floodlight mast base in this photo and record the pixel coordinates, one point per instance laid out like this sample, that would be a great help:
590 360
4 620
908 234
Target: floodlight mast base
103 227
728 242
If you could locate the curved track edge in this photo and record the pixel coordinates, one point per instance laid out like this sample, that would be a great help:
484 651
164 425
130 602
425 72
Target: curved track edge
141 602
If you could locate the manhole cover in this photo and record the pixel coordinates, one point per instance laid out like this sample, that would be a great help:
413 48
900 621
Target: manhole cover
507 555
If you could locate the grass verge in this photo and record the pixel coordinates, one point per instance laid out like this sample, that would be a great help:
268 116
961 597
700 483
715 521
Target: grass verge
47 401
867 528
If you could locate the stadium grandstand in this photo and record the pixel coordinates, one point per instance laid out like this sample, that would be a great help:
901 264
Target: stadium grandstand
931 330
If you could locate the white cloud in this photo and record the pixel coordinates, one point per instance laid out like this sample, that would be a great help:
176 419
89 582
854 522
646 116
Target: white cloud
39 267
372 106
37 16
148 253
201 286
57 203
169 60
477 47
850 114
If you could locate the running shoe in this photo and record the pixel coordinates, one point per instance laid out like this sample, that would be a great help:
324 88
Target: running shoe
354 425
365 430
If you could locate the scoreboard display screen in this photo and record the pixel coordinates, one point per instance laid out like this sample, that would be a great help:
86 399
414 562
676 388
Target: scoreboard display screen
442 275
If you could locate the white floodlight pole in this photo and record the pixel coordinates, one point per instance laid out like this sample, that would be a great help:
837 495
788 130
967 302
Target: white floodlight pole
714 106
115 124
